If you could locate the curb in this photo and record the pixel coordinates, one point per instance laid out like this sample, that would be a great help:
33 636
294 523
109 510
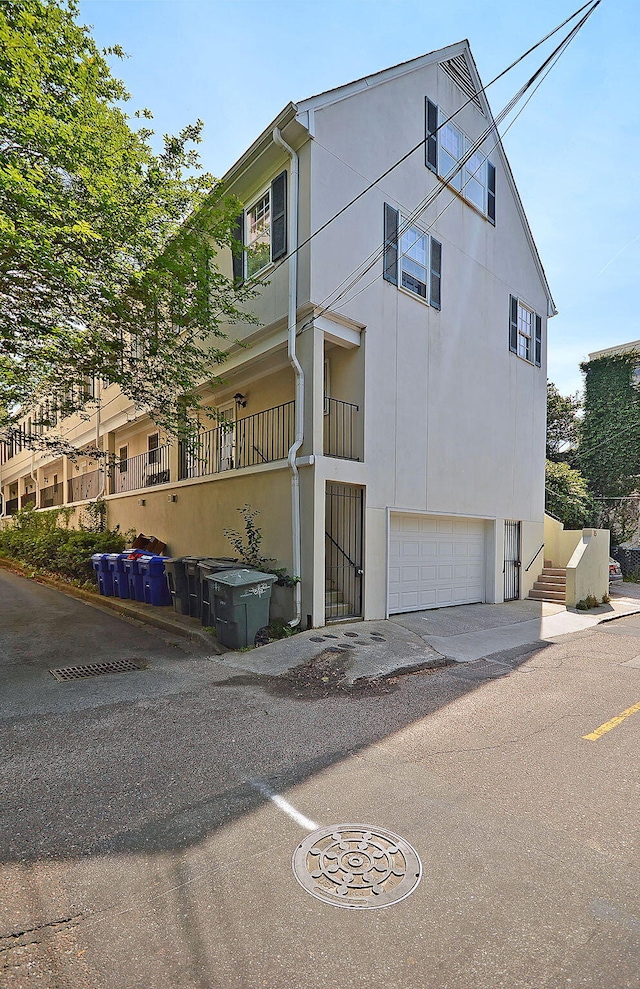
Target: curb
116 606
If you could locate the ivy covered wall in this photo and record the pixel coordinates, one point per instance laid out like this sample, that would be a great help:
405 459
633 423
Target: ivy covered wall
609 451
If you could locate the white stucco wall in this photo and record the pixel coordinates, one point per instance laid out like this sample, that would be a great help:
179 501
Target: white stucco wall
454 422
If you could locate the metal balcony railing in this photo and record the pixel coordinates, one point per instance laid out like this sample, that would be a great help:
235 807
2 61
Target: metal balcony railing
142 471
340 429
83 487
258 439
51 496
11 507
28 499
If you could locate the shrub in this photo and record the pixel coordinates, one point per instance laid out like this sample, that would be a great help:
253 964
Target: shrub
41 541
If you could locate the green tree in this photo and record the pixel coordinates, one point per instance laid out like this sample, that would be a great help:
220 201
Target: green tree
567 496
562 424
107 249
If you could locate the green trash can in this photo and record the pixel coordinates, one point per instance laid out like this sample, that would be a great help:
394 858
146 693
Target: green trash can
240 600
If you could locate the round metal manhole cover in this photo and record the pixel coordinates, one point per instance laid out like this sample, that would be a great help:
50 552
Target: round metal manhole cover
356 866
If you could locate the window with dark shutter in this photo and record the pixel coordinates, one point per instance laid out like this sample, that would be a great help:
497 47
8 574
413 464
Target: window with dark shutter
431 143
238 255
513 324
435 279
279 216
537 350
390 259
491 192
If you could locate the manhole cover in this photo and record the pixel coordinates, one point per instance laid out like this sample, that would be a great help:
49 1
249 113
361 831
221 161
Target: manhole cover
97 669
352 865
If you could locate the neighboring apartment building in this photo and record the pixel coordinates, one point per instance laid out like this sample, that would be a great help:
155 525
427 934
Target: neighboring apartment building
404 416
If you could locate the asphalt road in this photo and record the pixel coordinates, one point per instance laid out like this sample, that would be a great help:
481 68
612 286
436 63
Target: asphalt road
148 820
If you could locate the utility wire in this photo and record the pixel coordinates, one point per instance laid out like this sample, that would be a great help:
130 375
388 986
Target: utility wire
421 143
373 258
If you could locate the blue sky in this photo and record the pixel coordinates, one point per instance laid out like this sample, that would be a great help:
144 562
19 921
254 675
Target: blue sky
574 150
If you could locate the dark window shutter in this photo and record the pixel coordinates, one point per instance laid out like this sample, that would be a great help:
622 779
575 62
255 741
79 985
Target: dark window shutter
491 192
390 269
538 341
279 216
513 324
435 274
238 256
431 149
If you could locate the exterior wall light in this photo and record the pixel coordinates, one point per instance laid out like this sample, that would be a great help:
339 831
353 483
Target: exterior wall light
240 400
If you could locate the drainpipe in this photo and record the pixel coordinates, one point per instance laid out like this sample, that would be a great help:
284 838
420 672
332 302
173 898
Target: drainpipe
299 373
103 475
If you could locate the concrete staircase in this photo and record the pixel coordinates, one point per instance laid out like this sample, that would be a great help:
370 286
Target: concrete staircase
551 584
335 606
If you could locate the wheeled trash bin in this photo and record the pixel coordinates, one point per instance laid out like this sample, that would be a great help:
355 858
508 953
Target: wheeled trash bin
155 589
241 605
115 563
100 563
208 566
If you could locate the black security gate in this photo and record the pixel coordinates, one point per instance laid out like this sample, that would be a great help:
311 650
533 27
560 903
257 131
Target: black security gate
343 551
511 567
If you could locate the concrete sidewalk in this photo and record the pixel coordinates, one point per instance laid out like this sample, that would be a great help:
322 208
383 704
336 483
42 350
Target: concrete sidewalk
426 639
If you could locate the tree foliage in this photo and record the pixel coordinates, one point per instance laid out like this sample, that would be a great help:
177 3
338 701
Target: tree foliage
107 250
562 424
567 496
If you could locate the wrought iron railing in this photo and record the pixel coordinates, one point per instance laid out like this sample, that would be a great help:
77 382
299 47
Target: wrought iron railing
258 439
28 499
83 487
11 506
143 471
52 496
340 429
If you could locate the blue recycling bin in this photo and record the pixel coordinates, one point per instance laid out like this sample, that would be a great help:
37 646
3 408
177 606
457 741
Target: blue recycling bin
155 589
99 562
120 579
133 575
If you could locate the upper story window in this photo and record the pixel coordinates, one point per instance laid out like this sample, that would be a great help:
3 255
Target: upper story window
412 259
525 332
262 230
258 236
445 148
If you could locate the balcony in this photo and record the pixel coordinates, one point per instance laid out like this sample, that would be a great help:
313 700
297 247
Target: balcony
84 487
11 506
340 421
143 471
51 496
28 499
258 439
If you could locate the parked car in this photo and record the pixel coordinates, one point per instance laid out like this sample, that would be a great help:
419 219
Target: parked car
615 572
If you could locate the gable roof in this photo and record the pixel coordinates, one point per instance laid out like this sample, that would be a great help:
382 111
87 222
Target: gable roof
458 62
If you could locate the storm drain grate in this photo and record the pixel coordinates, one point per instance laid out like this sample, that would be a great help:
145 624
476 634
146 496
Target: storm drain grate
97 669
352 865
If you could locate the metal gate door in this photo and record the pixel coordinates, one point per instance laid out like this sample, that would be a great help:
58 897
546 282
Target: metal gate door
343 551
511 569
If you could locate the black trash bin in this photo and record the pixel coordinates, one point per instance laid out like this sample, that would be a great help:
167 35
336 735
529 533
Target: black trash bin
241 605
208 566
177 583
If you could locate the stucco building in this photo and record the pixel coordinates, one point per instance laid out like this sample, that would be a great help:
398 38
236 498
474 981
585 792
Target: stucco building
388 416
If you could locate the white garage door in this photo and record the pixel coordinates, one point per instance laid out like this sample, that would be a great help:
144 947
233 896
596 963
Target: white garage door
435 561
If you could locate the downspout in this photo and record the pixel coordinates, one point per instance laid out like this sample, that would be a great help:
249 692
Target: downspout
299 373
103 474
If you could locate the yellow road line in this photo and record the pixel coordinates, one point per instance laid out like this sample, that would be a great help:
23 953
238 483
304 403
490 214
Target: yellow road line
608 725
